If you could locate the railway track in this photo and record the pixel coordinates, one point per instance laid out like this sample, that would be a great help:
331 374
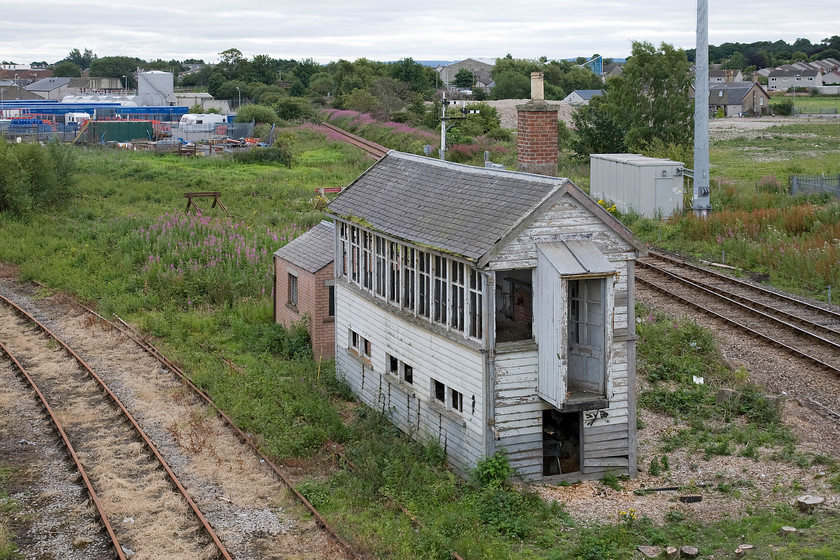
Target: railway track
143 507
372 148
799 327
339 547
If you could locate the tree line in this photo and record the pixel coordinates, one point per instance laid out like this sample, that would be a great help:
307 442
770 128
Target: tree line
764 54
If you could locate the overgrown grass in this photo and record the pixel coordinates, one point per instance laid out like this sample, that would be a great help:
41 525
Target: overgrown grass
682 369
755 224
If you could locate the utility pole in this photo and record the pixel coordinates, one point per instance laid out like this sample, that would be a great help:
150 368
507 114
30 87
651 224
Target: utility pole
701 201
443 127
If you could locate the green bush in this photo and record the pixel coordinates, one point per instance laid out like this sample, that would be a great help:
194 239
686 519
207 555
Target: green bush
33 176
493 471
256 113
293 108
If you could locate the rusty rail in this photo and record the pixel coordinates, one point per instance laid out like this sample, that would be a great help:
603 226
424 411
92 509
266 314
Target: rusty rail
88 485
127 331
376 150
173 478
753 332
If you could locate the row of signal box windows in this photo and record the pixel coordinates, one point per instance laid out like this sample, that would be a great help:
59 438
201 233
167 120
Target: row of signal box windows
446 397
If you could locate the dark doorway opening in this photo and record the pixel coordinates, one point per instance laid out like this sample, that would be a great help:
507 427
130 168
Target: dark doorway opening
561 442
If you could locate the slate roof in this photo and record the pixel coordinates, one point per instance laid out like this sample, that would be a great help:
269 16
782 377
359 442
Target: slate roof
313 250
454 208
793 72
48 84
733 92
587 94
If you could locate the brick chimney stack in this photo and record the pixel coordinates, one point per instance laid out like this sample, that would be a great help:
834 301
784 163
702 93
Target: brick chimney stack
537 132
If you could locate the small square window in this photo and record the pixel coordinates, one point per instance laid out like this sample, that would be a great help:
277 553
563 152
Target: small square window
354 340
393 365
456 400
366 347
408 374
439 391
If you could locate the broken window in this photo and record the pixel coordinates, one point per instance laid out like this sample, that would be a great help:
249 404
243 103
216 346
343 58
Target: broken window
475 304
355 254
439 391
408 374
456 400
408 281
424 274
441 274
394 279
367 260
514 305
456 320
393 365
586 336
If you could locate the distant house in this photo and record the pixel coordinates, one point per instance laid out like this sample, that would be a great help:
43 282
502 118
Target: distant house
738 98
582 96
481 68
611 70
50 88
304 286
831 78
782 79
725 76
490 310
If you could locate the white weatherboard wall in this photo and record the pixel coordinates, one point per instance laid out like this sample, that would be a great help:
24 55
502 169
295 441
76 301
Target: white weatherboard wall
432 356
652 187
608 434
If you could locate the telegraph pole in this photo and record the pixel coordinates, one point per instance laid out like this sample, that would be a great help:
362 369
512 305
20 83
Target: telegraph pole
701 201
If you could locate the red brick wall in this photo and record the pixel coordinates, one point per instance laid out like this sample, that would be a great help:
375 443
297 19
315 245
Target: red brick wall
313 303
537 141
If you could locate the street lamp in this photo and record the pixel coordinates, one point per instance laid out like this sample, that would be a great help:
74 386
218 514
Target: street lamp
17 86
795 79
238 93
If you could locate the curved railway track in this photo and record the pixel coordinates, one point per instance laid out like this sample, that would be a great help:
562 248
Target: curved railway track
372 148
799 327
126 331
125 475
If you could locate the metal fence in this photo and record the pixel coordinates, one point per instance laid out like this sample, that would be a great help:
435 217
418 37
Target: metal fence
815 184
201 132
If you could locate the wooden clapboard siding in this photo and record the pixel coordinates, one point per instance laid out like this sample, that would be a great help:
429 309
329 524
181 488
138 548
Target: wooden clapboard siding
568 218
518 419
431 357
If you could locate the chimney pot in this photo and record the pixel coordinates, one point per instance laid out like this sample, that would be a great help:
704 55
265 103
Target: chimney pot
537 86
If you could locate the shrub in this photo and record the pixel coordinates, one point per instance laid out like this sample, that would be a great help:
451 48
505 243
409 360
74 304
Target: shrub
32 175
293 108
493 471
256 113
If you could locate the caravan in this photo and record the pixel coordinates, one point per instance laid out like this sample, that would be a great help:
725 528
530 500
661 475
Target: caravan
201 122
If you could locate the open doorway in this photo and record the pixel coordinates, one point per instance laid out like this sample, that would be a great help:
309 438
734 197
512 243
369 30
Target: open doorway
561 442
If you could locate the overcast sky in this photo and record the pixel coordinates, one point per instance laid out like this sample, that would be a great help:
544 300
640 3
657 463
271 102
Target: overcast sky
326 30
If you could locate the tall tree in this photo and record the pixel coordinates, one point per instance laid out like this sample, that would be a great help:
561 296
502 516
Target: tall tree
464 78
66 69
82 60
651 97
